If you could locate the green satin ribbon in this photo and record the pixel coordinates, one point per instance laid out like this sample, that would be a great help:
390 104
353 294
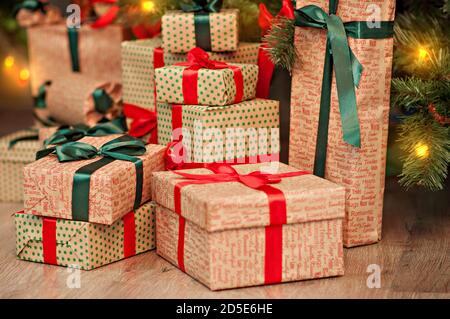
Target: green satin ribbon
102 101
39 99
33 137
66 134
202 5
347 71
123 148
202 9
31 5
72 35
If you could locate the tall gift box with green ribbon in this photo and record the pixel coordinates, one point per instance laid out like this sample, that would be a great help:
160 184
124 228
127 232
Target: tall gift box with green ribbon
16 150
203 24
340 103
94 179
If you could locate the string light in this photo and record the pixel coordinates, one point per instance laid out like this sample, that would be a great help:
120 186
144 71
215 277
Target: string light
9 62
423 54
422 150
24 75
147 6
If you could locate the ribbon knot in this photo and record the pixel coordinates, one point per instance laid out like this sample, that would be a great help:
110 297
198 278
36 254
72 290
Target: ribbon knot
143 122
202 6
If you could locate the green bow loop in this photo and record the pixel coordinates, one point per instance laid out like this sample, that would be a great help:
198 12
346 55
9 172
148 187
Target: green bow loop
102 101
65 134
31 5
123 148
115 126
75 151
202 6
13 142
39 100
347 68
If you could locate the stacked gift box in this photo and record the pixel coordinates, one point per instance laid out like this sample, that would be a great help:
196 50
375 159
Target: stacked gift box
198 175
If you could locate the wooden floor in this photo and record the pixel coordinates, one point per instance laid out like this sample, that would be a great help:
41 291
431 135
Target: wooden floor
414 257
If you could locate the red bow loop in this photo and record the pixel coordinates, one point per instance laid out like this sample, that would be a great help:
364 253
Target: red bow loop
265 17
143 121
175 155
197 59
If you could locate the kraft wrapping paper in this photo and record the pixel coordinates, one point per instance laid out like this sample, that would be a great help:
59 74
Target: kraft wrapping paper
49 53
69 100
12 162
48 184
84 245
215 87
178 31
361 171
139 74
254 127
225 235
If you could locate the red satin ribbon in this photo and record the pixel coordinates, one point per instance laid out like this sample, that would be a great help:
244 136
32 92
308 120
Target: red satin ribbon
109 17
266 68
258 181
49 240
199 59
143 122
143 31
129 235
265 18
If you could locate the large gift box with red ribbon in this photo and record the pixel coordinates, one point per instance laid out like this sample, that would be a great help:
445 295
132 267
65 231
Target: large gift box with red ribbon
56 51
84 245
340 103
94 179
208 28
201 134
246 225
202 81
16 150
140 58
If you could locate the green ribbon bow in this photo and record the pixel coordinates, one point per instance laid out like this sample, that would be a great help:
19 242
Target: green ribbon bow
102 101
202 5
31 5
347 70
202 9
66 134
39 100
123 148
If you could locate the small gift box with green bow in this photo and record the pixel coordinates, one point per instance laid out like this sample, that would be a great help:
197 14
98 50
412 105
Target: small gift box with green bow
202 81
94 179
83 245
201 23
16 150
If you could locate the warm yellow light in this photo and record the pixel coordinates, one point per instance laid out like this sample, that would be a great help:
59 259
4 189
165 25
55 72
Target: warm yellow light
24 75
422 150
9 62
422 54
147 6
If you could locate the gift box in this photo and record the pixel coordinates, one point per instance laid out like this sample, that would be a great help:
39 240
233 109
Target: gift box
84 245
212 134
77 99
96 179
211 31
202 81
141 57
16 150
235 226
56 51
337 131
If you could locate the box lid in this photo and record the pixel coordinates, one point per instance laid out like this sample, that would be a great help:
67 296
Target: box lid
23 151
231 205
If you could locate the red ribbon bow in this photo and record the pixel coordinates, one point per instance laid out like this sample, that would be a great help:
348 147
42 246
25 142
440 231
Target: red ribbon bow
143 122
265 17
199 59
273 262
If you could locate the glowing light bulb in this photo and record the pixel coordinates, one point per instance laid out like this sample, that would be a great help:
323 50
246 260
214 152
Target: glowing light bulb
422 150
24 75
147 6
422 54
9 62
